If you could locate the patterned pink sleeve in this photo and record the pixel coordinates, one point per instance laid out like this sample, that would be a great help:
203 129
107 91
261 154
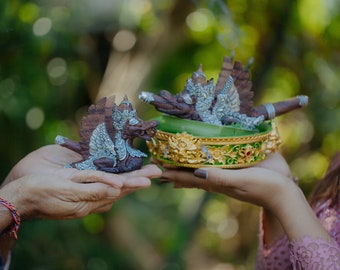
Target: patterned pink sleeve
311 253
274 256
306 253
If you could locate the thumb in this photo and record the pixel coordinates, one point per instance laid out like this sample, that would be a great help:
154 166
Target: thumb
233 178
213 175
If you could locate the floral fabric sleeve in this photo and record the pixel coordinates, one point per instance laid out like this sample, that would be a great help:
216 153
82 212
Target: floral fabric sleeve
311 253
305 253
274 256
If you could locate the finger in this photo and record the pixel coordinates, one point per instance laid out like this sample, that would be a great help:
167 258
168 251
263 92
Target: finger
162 164
113 193
103 204
242 178
155 161
149 171
91 176
56 154
94 192
183 178
275 162
229 177
104 208
169 166
137 182
83 209
178 171
127 191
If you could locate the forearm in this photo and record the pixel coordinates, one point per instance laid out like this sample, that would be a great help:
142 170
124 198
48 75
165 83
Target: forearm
6 244
297 217
6 241
273 250
285 237
6 218
271 228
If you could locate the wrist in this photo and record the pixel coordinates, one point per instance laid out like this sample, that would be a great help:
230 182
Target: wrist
297 217
282 200
5 217
12 192
271 227
13 229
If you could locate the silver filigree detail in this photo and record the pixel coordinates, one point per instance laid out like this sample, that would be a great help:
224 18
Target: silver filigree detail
227 100
270 110
120 146
146 97
134 152
190 87
100 141
100 146
204 98
246 122
187 99
303 100
226 103
60 140
119 118
209 156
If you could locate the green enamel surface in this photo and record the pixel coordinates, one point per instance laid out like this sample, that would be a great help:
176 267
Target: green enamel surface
173 124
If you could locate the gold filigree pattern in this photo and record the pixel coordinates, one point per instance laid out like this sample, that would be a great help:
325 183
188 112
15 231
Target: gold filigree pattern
274 139
186 150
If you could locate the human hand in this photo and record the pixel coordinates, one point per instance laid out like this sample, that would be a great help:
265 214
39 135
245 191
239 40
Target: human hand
255 185
42 174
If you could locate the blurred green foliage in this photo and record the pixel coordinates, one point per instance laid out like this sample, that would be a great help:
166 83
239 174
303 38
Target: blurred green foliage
53 56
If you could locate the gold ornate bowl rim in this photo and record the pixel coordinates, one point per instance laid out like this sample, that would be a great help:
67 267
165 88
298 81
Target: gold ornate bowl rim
184 149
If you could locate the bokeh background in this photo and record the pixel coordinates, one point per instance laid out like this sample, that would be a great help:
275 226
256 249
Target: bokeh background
58 57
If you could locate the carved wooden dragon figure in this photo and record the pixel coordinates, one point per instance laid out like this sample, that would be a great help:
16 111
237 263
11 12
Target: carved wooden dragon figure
107 134
229 101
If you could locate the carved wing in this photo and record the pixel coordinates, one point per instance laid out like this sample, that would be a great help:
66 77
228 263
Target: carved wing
241 81
110 103
226 70
244 86
97 114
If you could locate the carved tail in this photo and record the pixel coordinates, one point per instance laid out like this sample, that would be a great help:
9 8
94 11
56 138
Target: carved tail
72 145
165 102
271 110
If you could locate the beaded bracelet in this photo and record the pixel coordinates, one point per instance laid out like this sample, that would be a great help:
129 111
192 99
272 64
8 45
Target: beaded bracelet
17 220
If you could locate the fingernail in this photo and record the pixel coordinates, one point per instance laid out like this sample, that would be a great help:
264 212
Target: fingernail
201 173
113 192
